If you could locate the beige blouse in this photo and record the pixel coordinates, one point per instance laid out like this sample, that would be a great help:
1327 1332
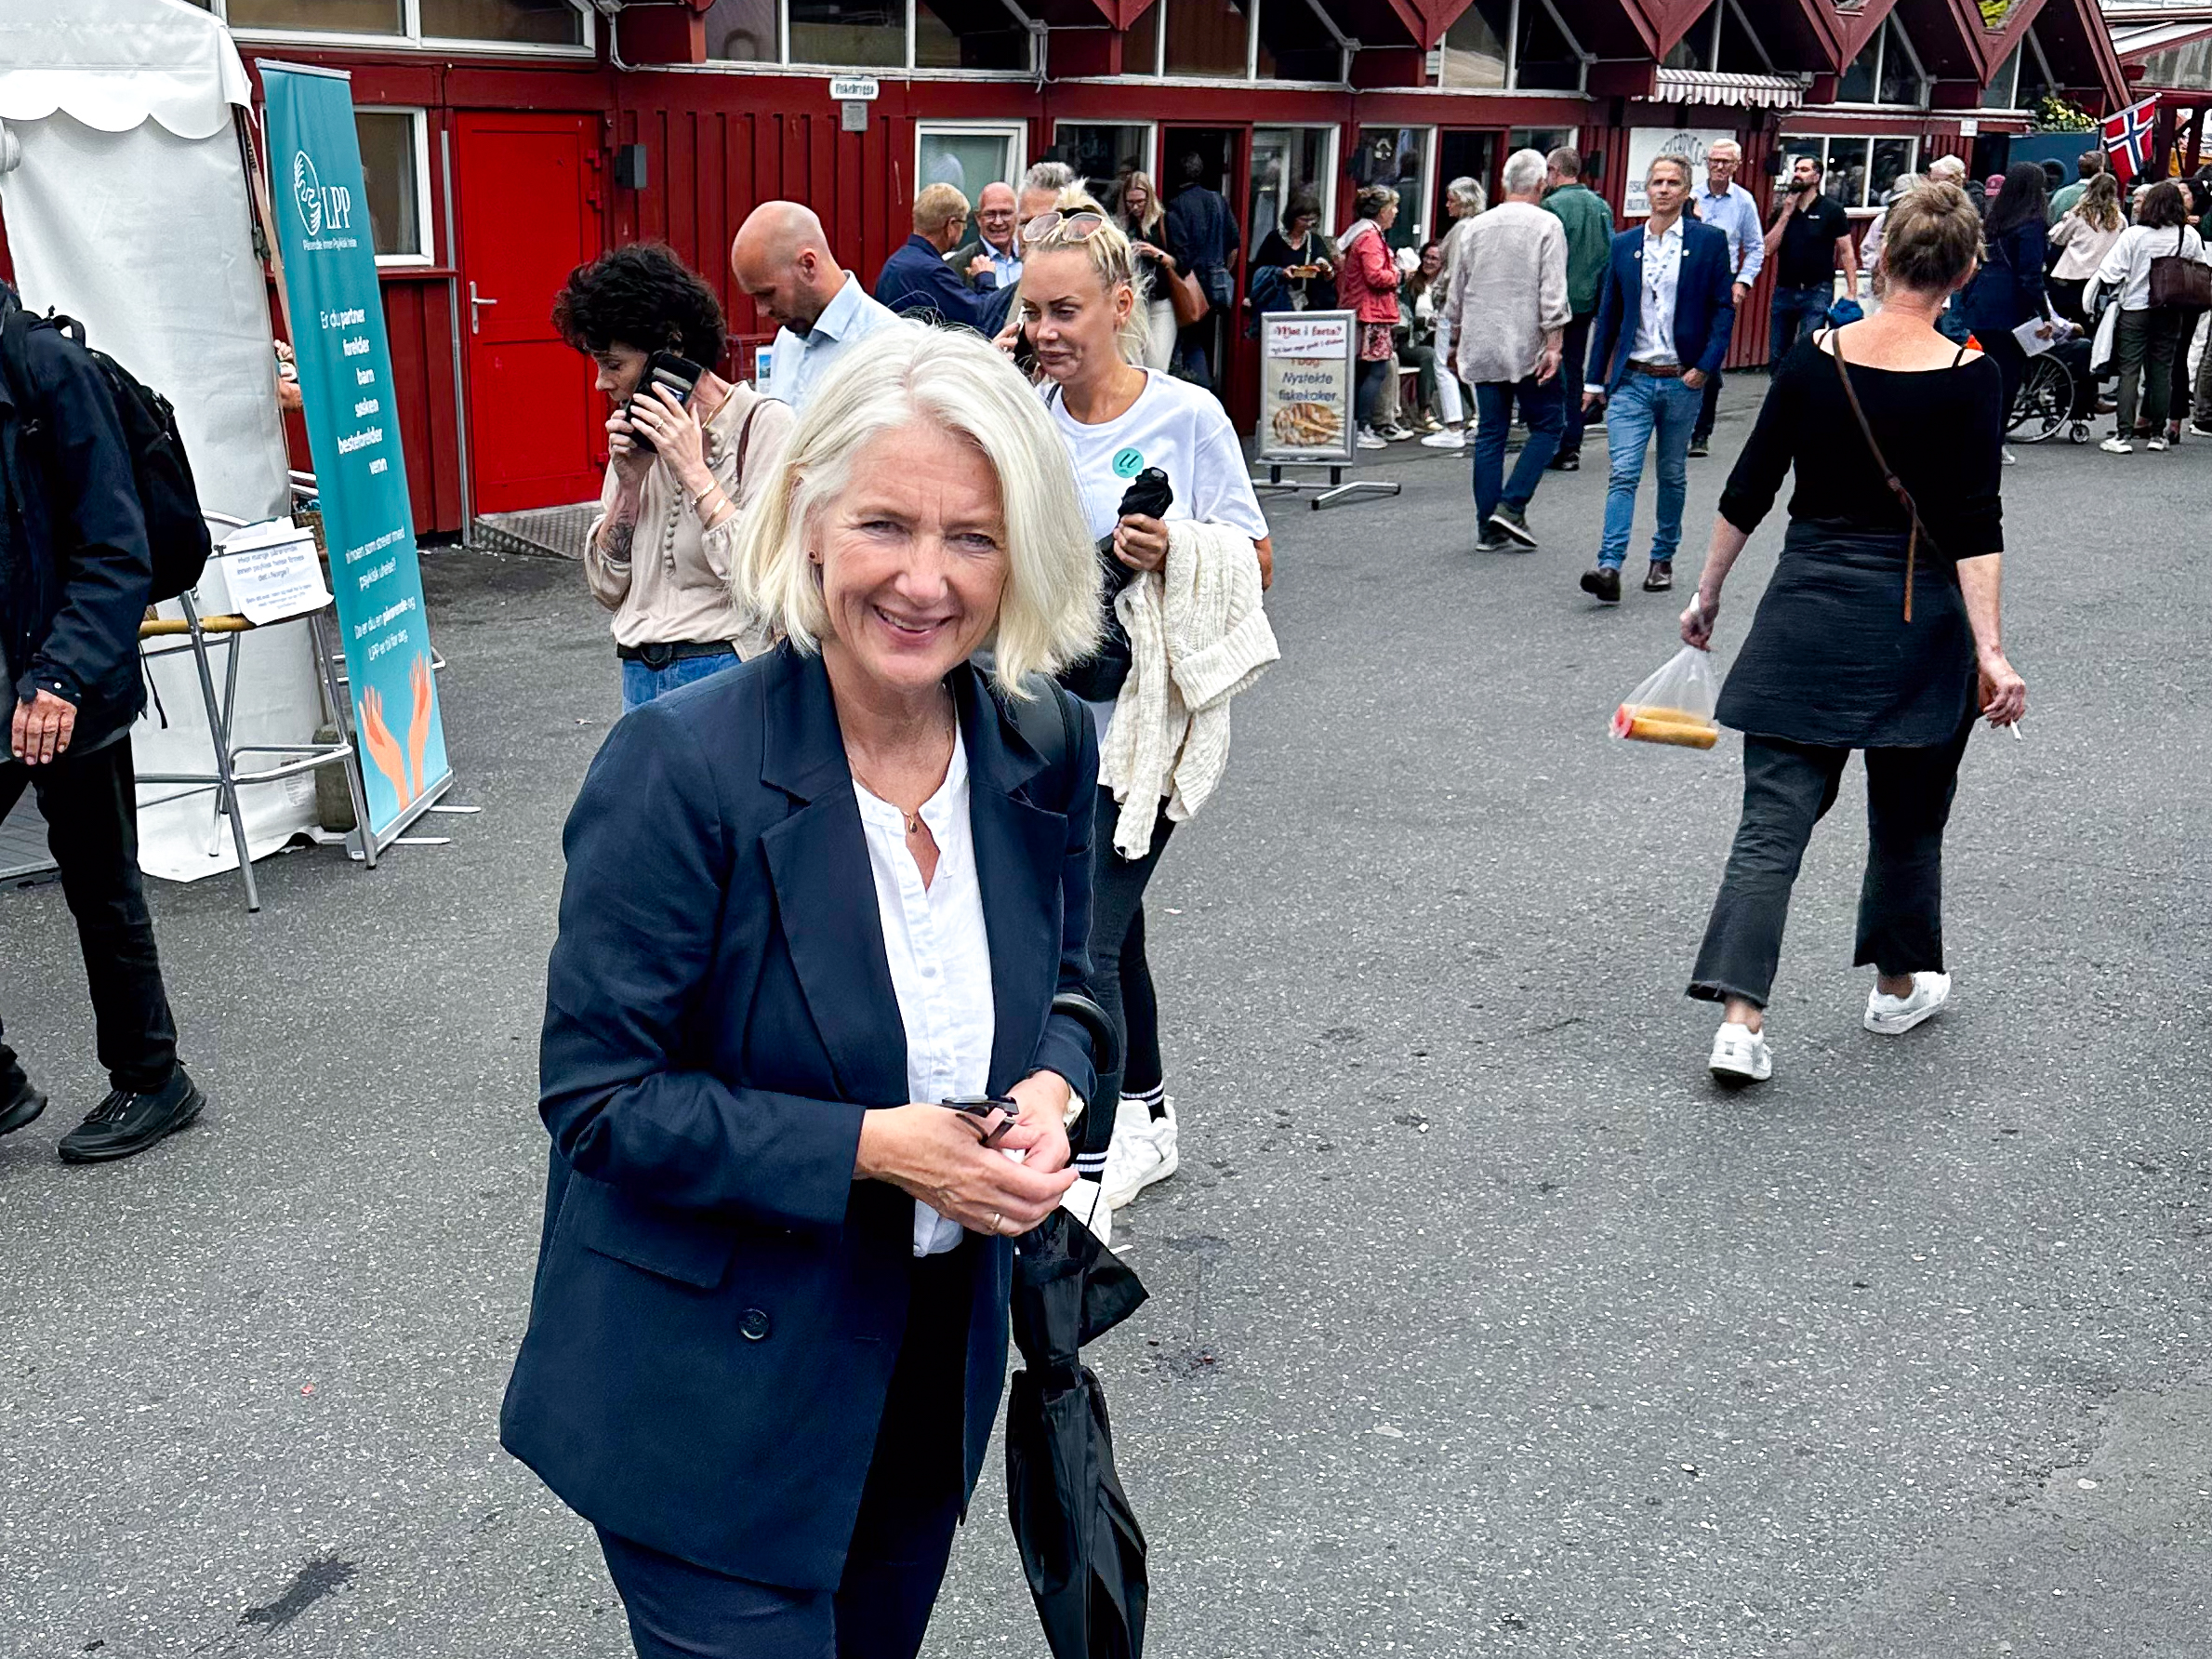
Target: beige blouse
675 584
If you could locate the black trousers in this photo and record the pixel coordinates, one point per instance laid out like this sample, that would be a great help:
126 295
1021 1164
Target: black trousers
1708 411
901 1542
2012 359
1121 978
91 807
1574 350
1788 787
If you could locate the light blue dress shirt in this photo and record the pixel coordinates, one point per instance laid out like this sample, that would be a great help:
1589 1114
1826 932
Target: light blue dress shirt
1736 215
799 362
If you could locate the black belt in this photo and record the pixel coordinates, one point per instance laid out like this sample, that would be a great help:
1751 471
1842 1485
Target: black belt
658 654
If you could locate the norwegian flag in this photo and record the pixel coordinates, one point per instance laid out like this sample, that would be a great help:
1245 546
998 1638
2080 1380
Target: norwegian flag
2127 138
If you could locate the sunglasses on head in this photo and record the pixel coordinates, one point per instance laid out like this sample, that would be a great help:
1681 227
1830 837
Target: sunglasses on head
1067 227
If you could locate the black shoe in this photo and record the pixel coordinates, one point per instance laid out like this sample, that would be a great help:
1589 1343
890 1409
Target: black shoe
1567 461
23 1106
124 1122
1661 576
1509 520
1493 542
1700 447
1604 583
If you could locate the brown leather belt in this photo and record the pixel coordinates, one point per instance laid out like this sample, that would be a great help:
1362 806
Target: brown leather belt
1657 371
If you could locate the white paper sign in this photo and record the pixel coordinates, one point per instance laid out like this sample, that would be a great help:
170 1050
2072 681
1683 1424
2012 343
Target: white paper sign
1647 145
272 572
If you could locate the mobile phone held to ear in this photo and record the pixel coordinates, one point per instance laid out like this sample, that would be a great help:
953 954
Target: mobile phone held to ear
679 375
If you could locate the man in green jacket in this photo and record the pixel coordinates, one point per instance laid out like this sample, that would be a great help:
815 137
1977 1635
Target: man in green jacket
1589 226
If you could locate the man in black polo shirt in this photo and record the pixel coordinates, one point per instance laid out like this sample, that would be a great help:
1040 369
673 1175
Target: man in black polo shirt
1808 239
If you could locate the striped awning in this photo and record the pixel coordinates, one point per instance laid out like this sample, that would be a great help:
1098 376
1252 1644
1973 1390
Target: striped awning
1748 92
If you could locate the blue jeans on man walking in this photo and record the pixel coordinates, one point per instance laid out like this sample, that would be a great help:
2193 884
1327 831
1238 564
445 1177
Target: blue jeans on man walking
1796 312
1644 408
1541 407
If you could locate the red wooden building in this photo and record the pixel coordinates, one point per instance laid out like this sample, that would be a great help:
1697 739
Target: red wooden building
505 140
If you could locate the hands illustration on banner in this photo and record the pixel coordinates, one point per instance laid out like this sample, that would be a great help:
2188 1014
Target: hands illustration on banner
403 772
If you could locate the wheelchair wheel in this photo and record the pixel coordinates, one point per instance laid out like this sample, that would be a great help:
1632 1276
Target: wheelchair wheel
2045 402
2078 432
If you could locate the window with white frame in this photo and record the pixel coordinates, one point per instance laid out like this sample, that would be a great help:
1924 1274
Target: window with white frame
508 25
1855 172
982 35
395 174
969 155
1722 42
1888 71
2024 79
1498 44
1103 151
1236 40
1288 162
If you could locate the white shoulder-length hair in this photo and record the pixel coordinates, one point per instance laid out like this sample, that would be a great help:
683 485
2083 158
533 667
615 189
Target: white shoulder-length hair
954 381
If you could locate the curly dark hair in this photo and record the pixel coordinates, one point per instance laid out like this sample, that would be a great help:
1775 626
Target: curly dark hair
641 296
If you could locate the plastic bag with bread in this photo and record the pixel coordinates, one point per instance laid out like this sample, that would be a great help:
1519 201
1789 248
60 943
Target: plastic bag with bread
1674 706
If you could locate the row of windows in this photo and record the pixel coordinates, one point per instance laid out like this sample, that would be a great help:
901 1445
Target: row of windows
526 23
1856 172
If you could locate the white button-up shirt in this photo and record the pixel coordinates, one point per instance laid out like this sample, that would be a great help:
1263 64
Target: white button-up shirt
1661 276
939 953
798 362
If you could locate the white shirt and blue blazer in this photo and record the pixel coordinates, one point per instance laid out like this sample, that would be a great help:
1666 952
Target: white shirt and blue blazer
1702 312
719 1305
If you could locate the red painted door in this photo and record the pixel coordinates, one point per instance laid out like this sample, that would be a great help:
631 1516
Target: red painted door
530 213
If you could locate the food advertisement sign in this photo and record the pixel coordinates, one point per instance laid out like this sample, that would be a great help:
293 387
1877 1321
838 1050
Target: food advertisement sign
1305 386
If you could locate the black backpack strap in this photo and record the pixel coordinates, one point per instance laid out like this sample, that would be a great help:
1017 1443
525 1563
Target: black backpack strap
1046 719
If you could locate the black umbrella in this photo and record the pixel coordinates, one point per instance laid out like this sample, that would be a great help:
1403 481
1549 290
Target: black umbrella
1080 1545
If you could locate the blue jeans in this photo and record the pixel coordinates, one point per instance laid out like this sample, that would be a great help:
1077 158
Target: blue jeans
1794 311
1544 411
1645 405
641 682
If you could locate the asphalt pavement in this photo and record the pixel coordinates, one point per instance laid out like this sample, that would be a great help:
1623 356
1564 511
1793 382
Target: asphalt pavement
1482 1322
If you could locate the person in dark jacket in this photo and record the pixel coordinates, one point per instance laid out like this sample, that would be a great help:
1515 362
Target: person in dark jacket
2008 289
1202 235
75 572
916 280
808 902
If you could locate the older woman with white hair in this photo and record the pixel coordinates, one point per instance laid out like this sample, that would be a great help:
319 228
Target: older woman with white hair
1464 199
812 904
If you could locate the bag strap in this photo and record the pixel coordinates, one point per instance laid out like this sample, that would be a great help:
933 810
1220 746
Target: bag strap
1046 719
1889 477
745 438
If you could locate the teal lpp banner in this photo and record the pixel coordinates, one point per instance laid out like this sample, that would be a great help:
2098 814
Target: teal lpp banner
352 429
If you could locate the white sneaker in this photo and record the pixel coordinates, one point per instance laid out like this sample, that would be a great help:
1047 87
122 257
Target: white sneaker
2154 443
1141 1152
1741 1054
1086 1201
2116 446
1370 439
1449 438
2010 459
1893 1015
1397 433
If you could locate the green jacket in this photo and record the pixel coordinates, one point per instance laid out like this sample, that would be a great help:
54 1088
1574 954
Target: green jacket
1589 226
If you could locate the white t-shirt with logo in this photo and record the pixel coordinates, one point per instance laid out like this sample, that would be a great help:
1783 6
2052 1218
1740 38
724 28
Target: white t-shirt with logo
1181 429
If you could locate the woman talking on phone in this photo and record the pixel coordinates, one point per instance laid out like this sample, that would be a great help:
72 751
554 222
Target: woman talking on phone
1184 628
680 465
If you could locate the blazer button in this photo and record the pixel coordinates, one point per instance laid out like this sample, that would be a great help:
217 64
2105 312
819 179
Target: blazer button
753 1325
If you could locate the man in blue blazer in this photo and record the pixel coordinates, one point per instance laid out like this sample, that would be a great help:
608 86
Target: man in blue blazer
1664 315
916 280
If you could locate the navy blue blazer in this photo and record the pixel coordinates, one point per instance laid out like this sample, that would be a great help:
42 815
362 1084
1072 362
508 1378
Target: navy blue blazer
718 1302
1704 304
917 278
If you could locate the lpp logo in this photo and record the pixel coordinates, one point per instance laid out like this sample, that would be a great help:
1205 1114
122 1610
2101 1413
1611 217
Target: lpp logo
320 207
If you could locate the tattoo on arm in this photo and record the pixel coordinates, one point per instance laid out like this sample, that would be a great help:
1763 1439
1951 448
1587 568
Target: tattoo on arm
615 535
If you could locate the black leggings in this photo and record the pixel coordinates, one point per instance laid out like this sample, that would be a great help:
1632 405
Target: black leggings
1121 978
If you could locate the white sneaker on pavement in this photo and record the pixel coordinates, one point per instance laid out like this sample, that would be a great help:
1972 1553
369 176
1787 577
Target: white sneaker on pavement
1371 439
1449 438
1141 1152
1397 432
1086 1201
1894 1016
2117 446
1741 1054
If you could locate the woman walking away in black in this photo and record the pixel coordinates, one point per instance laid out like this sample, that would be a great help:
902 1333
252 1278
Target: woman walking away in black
1879 631
2008 289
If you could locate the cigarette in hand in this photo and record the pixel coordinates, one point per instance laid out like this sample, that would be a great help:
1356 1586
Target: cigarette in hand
2015 730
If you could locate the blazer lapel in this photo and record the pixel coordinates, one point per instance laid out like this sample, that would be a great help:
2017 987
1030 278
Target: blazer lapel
1019 849
825 891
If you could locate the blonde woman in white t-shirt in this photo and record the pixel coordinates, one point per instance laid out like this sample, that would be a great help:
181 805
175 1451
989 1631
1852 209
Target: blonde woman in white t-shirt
1079 315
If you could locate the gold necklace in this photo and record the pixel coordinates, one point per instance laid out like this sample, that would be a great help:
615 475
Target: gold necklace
913 819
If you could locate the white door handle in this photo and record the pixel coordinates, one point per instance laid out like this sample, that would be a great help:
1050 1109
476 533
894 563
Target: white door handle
476 307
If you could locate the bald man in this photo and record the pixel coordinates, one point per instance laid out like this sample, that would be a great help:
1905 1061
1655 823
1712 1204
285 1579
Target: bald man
781 259
991 259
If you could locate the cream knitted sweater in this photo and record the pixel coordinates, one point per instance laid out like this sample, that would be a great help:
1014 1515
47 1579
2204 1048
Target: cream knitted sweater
1196 637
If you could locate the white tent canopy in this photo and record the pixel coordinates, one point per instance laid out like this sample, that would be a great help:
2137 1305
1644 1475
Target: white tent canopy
126 208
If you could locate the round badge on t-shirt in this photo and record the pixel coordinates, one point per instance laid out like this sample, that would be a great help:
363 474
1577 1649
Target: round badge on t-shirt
1128 463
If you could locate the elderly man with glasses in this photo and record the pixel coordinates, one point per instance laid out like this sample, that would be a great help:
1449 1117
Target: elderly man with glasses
1733 211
